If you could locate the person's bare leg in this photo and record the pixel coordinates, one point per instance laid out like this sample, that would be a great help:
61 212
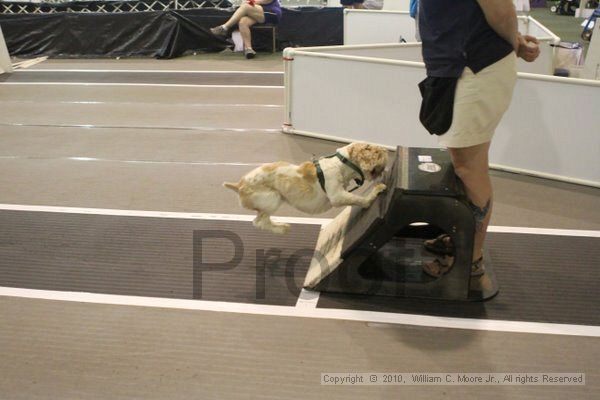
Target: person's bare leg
244 25
471 165
245 10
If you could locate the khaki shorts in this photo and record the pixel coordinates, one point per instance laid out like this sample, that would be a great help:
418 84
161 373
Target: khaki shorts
480 102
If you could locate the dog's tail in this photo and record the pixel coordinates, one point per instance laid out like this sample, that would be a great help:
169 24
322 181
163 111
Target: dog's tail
233 186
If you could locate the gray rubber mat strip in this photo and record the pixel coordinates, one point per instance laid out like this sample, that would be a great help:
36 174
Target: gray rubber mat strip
203 78
543 278
154 257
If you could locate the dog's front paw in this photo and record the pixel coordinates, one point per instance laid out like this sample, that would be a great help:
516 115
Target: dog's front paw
281 229
380 187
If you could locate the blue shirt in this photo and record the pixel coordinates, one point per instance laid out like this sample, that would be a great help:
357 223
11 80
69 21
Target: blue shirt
456 35
273 7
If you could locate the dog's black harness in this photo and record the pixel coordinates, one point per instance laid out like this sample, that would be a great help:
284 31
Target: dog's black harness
344 160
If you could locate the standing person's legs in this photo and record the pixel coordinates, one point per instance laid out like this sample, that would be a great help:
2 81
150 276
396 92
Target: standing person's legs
479 104
472 167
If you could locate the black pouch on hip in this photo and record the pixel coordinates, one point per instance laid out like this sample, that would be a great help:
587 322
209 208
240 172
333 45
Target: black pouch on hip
438 103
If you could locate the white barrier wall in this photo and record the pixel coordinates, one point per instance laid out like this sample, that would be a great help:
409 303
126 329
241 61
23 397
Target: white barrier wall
5 63
404 5
412 52
531 26
382 26
377 26
550 129
396 5
390 51
393 5
372 27
522 5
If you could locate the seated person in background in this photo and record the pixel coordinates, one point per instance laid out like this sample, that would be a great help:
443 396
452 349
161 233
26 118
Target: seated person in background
249 13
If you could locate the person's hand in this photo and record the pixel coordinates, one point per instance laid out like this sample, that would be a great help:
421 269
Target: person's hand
529 48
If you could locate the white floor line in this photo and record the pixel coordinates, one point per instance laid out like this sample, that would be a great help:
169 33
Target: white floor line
243 217
544 231
93 159
158 214
176 128
308 312
240 105
142 85
153 71
308 299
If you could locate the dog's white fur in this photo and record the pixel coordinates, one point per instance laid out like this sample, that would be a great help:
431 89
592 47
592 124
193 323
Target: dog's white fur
265 188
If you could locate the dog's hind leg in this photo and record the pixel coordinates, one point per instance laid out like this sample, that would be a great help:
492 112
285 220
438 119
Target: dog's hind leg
265 202
263 221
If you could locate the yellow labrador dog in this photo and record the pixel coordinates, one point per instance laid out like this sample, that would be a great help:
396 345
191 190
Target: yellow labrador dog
312 187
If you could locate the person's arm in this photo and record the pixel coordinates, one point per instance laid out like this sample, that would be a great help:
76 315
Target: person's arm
502 17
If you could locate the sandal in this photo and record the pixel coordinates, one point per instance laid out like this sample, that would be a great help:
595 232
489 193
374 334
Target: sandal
438 268
477 267
441 245
219 31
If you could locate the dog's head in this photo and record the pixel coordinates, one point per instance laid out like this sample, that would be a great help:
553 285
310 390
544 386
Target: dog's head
371 159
